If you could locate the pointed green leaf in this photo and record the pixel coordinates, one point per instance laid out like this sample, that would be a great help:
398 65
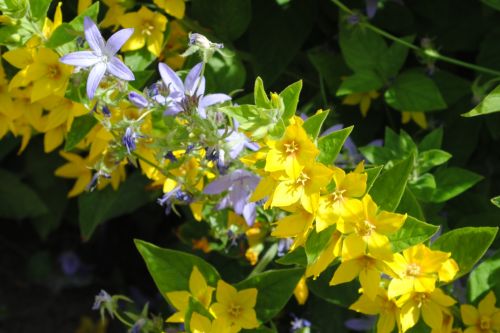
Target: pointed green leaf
412 233
431 158
317 242
490 104
39 9
390 185
171 269
290 97
496 201
80 127
467 245
260 96
433 140
313 124
275 287
362 81
453 181
394 58
331 144
410 205
485 277
343 295
99 206
296 257
373 174
415 92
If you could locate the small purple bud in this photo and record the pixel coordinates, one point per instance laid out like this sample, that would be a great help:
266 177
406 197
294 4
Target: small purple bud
129 139
106 112
212 154
170 156
138 100
298 323
138 326
102 297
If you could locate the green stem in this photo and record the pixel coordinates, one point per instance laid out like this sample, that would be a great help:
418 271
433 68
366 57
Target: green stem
430 53
120 318
266 259
145 160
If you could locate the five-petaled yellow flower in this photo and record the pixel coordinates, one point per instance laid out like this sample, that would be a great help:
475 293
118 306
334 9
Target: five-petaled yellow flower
484 319
236 307
148 30
198 289
201 324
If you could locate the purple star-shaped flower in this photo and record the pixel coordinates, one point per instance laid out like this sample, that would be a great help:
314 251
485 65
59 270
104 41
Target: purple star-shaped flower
240 184
188 94
102 58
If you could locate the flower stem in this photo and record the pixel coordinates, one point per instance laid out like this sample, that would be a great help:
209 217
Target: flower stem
430 53
145 160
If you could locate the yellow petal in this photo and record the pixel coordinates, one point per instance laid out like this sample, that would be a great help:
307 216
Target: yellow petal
225 293
410 314
200 324
432 315
179 299
53 139
370 282
247 297
366 305
353 247
386 323
399 287
248 319
346 272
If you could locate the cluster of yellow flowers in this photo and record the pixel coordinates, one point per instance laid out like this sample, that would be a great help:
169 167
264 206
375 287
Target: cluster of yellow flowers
232 311
326 199
34 101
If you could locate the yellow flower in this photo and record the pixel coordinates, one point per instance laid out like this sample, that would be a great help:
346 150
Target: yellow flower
49 26
433 306
148 30
201 324
292 152
418 269
386 308
59 120
236 307
198 288
367 228
326 257
367 268
297 225
78 168
21 58
115 10
484 319
7 112
363 99
303 188
48 74
447 325
418 117
301 292
175 8
351 185
177 39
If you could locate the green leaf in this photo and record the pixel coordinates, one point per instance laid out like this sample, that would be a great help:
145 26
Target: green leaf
433 140
343 294
415 92
394 58
225 74
390 185
331 144
372 174
171 269
330 66
80 127
275 287
431 158
484 277
290 97
411 233
39 9
424 186
496 201
495 4
18 200
410 205
490 104
141 79
228 20
467 245
260 96
67 32
313 124
139 60
362 81
362 48
317 242
99 206
296 257
453 181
